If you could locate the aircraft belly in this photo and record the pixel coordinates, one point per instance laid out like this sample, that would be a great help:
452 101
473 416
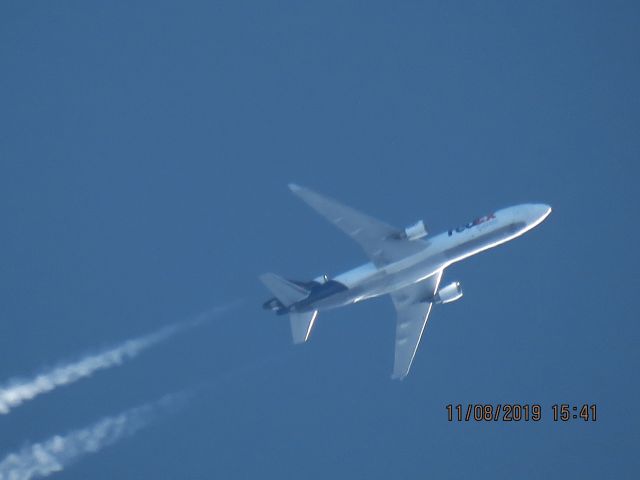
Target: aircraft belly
337 300
368 282
411 275
377 285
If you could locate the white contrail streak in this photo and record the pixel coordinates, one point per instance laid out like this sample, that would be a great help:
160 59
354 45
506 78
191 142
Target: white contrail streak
53 455
17 391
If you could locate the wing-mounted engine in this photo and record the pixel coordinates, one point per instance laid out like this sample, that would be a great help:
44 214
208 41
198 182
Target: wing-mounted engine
448 294
415 231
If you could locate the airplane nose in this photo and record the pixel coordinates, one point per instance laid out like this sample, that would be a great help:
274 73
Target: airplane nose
539 212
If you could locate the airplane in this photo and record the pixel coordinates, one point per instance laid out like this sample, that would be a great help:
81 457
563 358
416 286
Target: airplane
403 263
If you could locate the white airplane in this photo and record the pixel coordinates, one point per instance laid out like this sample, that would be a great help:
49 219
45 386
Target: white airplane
403 264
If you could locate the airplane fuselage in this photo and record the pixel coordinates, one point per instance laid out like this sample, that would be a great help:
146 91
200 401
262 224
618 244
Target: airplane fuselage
440 251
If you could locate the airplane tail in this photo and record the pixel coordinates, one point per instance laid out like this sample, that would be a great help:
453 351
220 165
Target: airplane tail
287 293
301 325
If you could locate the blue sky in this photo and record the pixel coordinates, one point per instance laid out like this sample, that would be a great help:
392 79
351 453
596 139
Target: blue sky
145 149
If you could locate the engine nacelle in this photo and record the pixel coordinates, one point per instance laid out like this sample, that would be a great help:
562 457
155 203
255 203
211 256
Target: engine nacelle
273 304
415 231
450 293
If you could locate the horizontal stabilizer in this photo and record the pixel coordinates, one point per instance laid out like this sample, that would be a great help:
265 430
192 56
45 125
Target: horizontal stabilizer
301 325
287 292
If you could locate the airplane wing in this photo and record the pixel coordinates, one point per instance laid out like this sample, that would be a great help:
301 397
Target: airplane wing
413 306
381 242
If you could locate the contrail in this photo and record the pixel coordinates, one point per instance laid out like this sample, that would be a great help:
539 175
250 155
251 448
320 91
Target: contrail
53 455
17 391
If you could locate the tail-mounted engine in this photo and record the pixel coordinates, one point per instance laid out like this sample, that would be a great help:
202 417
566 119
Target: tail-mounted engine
274 305
448 294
